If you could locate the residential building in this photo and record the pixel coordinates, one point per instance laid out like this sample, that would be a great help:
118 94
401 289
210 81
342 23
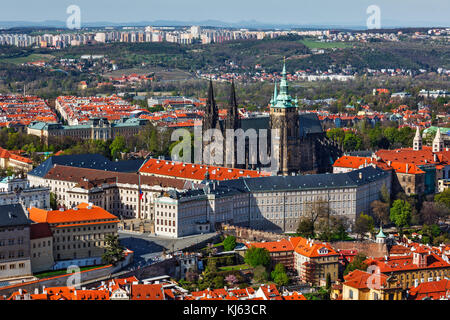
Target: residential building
79 233
16 190
14 161
433 290
420 265
361 285
15 260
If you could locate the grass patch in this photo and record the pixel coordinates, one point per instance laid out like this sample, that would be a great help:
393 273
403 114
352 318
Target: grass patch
49 274
311 44
30 58
235 268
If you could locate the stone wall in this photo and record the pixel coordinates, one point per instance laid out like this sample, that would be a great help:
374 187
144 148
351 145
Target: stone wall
243 234
58 281
370 249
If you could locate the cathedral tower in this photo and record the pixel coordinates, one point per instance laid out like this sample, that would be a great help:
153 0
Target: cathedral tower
417 142
284 120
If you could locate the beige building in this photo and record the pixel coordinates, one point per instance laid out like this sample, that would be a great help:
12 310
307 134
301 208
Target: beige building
78 233
115 192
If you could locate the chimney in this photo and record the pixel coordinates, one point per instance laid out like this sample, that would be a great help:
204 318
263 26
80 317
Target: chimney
406 168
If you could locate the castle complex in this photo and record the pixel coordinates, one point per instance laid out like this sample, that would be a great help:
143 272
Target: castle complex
296 141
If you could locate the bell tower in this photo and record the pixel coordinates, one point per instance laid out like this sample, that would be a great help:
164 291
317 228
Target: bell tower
284 120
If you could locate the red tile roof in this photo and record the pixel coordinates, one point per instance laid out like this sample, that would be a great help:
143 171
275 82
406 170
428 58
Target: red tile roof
434 290
81 215
196 172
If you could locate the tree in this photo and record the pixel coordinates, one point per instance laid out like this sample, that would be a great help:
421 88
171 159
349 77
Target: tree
306 228
218 282
118 145
257 257
380 210
114 252
313 211
363 224
279 275
433 212
231 279
229 243
357 263
260 274
443 197
53 202
211 265
400 214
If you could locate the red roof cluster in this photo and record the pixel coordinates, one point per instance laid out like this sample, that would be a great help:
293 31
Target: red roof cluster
16 109
197 172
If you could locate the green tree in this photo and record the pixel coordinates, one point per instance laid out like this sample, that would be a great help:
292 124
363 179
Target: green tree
229 243
352 142
257 257
211 265
53 202
357 263
260 274
279 275
363 224
114 252
443 197
118 145
400 214
218 282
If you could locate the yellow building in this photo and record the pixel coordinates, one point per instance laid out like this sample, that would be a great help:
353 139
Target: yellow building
361 285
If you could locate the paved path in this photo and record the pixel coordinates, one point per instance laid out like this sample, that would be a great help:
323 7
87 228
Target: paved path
148 248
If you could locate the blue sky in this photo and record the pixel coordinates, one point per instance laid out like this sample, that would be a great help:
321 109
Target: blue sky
412 12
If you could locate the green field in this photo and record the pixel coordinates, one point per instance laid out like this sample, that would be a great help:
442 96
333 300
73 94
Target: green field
235 268
311 44
30 58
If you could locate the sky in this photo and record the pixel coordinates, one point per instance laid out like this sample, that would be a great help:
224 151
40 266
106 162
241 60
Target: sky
298 12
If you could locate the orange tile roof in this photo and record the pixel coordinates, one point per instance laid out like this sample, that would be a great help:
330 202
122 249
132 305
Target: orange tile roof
273 246
352 162
359 279
311 248
192 171
147 292
405 263
82 215
433 289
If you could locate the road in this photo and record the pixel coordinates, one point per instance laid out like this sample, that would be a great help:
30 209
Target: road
148 249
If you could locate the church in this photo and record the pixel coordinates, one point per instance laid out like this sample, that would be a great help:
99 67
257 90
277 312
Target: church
295 140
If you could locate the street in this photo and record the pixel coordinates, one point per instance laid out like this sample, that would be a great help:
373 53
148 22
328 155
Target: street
148 249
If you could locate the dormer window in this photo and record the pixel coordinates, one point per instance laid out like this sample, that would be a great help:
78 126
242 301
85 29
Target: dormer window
323 250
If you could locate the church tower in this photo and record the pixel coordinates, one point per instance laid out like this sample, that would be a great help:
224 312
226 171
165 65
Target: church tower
210 121
417 142
211 117
284 119
232 122
438 142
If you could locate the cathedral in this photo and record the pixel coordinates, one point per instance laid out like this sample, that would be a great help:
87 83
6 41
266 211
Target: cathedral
301 144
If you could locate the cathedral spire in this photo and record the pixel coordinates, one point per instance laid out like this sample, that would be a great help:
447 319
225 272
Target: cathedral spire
417 142
438 142
232 119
